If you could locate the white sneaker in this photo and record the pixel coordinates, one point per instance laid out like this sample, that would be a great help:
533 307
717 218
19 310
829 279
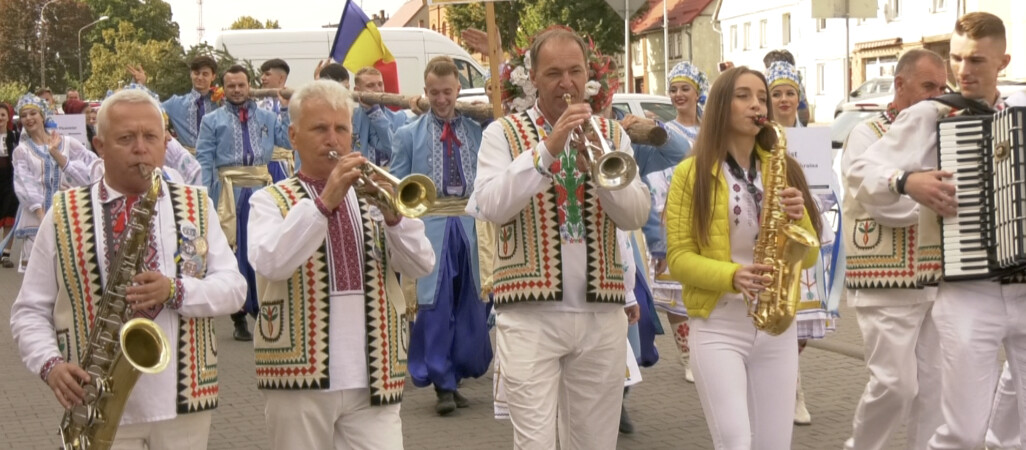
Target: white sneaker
685 360
801 413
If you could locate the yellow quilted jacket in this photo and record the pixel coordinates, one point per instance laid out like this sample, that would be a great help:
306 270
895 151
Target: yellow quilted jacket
705 271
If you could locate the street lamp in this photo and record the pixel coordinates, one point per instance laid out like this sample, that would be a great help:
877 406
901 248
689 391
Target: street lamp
101 19
42 46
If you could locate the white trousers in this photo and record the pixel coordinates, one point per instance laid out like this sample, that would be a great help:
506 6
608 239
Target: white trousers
184 431
1004 432
338 420
745 378
565 365
902 355
974 318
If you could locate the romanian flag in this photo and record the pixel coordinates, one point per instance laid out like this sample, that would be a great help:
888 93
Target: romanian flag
358 44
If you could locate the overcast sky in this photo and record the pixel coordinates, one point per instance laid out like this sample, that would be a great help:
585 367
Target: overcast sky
219 14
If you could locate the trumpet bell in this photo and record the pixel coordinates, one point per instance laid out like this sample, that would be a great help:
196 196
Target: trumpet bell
614 170
415 194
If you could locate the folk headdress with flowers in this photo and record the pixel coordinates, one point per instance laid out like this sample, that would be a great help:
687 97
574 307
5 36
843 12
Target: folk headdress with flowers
519 93
30 100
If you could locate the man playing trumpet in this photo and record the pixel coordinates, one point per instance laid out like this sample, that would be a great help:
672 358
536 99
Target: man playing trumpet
561 328
450 336
314 241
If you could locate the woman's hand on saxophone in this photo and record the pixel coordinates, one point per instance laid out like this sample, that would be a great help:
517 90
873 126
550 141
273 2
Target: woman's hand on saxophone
792 202
66 381
750 280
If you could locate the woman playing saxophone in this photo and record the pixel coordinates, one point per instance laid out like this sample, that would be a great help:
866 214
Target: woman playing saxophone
715 215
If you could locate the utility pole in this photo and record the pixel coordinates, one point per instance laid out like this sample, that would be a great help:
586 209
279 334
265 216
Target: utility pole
42 44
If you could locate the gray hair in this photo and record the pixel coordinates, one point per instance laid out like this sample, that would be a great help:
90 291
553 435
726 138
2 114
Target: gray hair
129 96
910 59
337 96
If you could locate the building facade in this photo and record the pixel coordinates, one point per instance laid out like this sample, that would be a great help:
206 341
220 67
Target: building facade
751 29
691 37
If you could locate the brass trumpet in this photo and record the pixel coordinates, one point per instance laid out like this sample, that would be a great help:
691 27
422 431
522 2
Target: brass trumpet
613 170
415 194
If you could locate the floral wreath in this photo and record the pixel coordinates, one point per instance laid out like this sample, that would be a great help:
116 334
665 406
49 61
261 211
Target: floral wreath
519 93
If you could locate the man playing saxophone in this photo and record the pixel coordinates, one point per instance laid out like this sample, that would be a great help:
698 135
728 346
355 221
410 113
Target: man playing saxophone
186 275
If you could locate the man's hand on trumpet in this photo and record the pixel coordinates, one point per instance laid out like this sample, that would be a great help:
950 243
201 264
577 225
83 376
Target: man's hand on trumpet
342 177
573 117
387 210
592 145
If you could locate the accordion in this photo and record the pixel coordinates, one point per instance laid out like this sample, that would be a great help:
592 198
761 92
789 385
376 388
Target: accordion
987 155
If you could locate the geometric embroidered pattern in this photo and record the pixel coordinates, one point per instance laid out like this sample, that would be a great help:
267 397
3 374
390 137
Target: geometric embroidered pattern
292 342
386 355
198 387
298 358
80 289
528 247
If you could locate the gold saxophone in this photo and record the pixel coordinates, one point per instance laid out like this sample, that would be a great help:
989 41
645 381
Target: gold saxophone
120 348
781 244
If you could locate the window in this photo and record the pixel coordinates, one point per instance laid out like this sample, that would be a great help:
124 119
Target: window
469 76
622 109
748 35
892 10
733 37
762 33
939 5
636 51
675 45
820 24
785 24
820 78
660 111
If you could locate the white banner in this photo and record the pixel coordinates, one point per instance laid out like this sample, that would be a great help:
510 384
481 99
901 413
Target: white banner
811 148
72 125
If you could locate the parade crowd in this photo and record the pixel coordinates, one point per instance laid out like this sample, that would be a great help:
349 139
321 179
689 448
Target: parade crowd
369 245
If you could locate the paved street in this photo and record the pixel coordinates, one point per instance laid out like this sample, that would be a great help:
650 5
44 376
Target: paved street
664 407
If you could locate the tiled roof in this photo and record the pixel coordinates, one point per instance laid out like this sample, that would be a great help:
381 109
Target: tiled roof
680 12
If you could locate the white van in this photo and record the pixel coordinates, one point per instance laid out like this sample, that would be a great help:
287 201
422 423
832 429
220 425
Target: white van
302 49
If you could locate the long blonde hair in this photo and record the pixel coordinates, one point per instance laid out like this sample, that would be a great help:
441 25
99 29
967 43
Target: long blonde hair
710 150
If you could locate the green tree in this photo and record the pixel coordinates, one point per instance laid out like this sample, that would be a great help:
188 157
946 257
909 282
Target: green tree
246 23
590 17
507 18
163 61
20 33
11 91
250 23
518 21
150 18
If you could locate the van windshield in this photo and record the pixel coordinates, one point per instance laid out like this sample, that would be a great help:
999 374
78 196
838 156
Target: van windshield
469 76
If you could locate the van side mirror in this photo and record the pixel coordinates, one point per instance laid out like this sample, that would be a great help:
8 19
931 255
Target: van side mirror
854 94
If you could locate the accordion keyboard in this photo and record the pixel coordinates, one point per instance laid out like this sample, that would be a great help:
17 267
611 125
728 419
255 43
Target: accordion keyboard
962 151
